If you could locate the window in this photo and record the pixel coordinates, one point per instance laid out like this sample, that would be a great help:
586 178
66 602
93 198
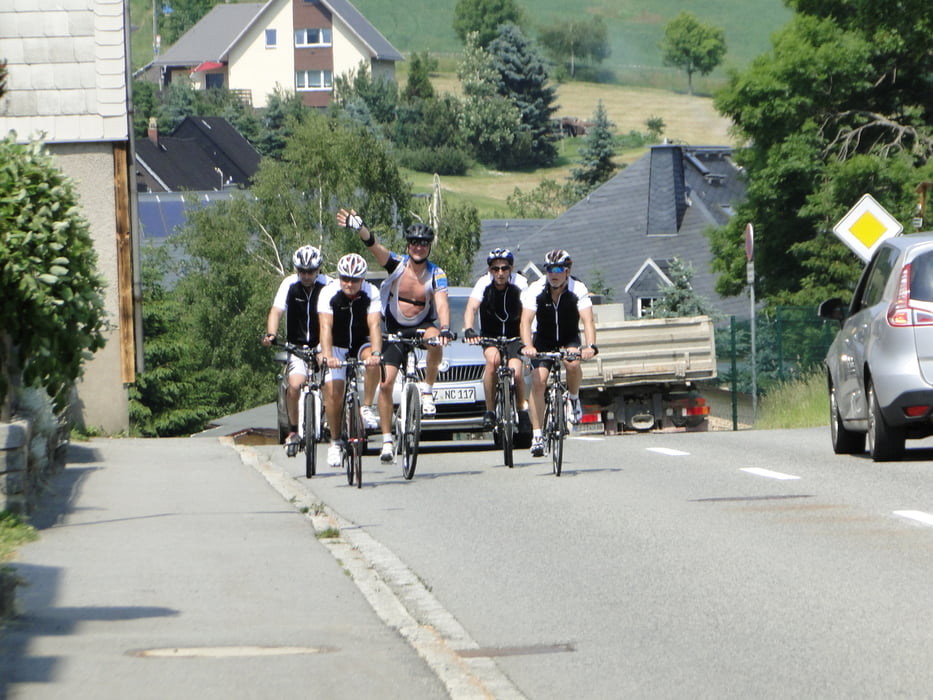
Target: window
314 80
643 306
313 37
270 38
214 80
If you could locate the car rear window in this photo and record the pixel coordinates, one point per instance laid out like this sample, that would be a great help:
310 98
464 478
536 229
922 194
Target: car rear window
921 277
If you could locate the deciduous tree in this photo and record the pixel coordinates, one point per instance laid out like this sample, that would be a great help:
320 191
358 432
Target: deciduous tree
692 46
484 17
573 39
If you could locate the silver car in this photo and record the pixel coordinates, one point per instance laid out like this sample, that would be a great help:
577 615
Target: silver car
458 391
879 367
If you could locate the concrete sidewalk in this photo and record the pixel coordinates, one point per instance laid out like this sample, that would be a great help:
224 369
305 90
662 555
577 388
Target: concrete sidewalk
169 568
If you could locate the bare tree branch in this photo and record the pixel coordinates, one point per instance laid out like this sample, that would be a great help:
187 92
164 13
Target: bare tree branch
880 134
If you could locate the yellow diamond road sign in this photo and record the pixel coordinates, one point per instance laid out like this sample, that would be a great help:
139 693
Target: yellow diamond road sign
865 227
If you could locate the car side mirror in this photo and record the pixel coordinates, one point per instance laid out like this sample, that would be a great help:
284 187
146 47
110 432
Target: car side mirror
832 310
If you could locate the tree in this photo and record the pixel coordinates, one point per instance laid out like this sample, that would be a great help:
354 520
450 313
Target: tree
489 122
379 94
523 80
596 154
419 84
484 17
838 108
51 296
692 46
680 300
570 39
547 200
183 15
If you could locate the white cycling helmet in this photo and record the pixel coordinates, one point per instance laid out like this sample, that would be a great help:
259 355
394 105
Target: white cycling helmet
557 257
352 265
307 257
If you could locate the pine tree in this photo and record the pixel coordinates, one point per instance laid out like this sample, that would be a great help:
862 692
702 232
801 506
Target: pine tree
523 79
596 154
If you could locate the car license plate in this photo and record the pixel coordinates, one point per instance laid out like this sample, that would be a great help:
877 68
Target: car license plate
455 394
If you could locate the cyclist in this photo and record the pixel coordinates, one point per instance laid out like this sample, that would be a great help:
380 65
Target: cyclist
552 309
413 296
297 298
497 297
350 318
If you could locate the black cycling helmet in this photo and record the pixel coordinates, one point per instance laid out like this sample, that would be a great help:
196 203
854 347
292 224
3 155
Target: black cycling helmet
500 254
420 232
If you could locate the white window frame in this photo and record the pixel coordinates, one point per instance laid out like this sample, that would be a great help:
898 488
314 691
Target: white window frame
643 306
314 36
323 78
271 38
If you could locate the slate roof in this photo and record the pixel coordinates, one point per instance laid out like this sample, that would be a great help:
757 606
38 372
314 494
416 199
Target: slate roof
215 34
66 71
659 207
188 159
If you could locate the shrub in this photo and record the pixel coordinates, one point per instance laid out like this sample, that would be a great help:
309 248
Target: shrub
443 160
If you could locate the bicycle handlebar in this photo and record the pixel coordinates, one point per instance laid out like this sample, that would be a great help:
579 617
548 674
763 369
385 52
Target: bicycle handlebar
497 342
304 352
418 341
558 355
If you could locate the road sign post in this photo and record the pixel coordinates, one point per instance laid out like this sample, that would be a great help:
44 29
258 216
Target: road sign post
750 278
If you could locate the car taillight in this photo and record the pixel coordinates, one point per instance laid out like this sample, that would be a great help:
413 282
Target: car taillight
904 312
915 411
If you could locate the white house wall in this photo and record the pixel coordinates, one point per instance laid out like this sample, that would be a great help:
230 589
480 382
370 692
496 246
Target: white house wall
254 67
348 49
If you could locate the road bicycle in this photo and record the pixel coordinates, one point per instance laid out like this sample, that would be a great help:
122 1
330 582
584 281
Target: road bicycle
310 405
556 424
408 412
352 430
506 410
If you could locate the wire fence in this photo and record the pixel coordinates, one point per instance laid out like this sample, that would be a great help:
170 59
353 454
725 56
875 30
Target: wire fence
790 343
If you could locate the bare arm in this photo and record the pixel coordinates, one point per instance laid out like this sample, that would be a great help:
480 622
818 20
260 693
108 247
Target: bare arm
469 315
326 328
528 315
272 325
589 333
351 219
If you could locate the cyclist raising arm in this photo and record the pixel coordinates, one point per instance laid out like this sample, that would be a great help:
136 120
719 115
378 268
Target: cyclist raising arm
414 296
351 326
552 309
296 299
497 298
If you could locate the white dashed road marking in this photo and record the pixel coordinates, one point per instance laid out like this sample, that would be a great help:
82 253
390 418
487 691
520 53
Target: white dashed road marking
917 515
770 474
667 451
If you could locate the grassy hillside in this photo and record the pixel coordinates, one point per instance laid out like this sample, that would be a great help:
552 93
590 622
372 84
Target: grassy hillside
635 28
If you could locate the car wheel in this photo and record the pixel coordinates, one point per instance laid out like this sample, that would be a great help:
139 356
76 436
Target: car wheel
884 442
845 442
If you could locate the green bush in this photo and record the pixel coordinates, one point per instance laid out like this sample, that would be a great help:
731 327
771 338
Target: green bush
51 303
443 160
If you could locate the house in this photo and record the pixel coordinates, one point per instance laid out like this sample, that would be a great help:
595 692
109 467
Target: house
296 45
623 235
68 68
202 154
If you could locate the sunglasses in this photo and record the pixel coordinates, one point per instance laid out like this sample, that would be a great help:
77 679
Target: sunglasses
419 241
307 271
556 268
344 278
500 268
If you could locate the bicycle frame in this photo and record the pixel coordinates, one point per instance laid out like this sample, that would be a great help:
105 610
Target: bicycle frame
310 405
353 434
555 426
506 410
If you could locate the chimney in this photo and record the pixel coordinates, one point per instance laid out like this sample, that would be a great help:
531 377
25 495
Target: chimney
153 131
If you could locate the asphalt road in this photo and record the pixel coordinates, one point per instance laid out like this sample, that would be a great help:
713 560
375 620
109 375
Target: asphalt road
720 565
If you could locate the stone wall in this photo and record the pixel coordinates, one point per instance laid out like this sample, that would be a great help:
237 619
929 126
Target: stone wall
14 467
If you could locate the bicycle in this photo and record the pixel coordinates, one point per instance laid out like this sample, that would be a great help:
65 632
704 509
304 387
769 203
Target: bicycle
556 398
310 405
408 412
353 432
506 410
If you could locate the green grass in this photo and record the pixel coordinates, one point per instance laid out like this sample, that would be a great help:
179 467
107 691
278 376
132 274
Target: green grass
13 533
798 403
634 30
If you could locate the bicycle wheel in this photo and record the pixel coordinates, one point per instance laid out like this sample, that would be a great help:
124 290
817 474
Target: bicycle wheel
555 432
311 434
355 440
410 429
506 408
